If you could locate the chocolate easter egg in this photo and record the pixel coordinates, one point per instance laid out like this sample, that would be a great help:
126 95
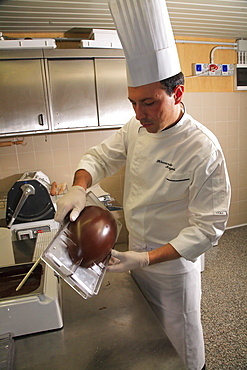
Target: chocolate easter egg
92 236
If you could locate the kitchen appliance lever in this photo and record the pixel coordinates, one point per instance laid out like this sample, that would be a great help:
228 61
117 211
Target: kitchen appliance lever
27 189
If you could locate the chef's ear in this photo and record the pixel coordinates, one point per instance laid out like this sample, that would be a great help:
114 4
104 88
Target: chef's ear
178 93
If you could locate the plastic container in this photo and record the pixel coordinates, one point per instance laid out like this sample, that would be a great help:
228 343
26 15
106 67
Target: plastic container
85 281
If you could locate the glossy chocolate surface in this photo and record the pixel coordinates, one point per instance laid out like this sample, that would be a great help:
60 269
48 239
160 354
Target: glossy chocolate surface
92 236
11 276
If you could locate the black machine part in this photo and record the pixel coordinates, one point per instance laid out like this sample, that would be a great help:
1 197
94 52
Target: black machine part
37 204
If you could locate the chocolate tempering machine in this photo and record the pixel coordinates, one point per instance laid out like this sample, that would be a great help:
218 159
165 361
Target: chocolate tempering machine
30 217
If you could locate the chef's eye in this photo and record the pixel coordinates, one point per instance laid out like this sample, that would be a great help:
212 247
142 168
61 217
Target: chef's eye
148 104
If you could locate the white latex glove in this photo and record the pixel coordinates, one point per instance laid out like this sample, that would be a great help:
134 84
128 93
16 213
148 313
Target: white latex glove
125 261
74 200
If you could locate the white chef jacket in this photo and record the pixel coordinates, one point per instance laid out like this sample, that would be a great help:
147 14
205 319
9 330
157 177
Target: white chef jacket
176 187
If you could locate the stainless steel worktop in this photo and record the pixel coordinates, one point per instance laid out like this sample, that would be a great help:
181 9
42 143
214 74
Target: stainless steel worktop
114 330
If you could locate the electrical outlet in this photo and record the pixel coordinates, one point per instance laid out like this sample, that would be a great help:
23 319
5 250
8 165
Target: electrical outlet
227 70
200 69
212 69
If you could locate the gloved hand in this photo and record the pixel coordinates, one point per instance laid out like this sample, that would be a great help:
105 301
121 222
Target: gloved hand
74 200
125 261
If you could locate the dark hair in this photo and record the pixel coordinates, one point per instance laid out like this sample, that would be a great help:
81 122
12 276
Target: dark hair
170 83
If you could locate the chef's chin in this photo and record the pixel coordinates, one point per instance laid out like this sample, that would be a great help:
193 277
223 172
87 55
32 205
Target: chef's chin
152 129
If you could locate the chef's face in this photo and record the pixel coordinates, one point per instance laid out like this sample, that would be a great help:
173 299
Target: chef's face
154 108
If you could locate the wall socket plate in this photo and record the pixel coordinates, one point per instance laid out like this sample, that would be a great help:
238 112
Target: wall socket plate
212 69
227 69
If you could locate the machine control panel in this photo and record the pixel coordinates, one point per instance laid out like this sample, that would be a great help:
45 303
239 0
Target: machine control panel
31 232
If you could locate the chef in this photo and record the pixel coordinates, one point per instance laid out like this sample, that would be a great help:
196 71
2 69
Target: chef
176 190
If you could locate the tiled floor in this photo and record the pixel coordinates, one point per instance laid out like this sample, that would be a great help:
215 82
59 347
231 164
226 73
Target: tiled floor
224 302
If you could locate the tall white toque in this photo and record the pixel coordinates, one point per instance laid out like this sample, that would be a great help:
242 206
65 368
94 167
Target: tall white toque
146 35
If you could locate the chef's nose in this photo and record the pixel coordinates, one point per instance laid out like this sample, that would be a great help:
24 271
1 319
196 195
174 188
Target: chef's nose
140 112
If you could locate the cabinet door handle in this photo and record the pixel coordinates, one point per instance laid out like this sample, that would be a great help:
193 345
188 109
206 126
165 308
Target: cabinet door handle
40 118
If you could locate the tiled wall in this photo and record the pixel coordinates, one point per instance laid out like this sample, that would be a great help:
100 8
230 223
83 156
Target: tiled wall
225 114
58 154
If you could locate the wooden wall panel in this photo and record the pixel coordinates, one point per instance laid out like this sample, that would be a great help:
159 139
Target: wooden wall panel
200 53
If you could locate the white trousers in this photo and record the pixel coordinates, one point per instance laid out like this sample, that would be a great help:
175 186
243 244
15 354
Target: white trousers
175 299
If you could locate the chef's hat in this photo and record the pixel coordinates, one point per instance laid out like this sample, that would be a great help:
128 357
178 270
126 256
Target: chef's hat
146 35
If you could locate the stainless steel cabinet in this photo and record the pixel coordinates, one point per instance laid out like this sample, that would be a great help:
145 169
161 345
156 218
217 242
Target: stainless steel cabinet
62 90
72 93
112 95
22 96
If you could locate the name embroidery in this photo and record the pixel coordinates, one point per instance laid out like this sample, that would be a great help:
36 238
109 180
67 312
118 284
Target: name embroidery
168 165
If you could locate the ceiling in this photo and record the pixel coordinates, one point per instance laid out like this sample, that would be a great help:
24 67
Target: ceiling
197 18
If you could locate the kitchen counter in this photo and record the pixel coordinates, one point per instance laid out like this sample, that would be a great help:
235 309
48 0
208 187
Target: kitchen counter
114 330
